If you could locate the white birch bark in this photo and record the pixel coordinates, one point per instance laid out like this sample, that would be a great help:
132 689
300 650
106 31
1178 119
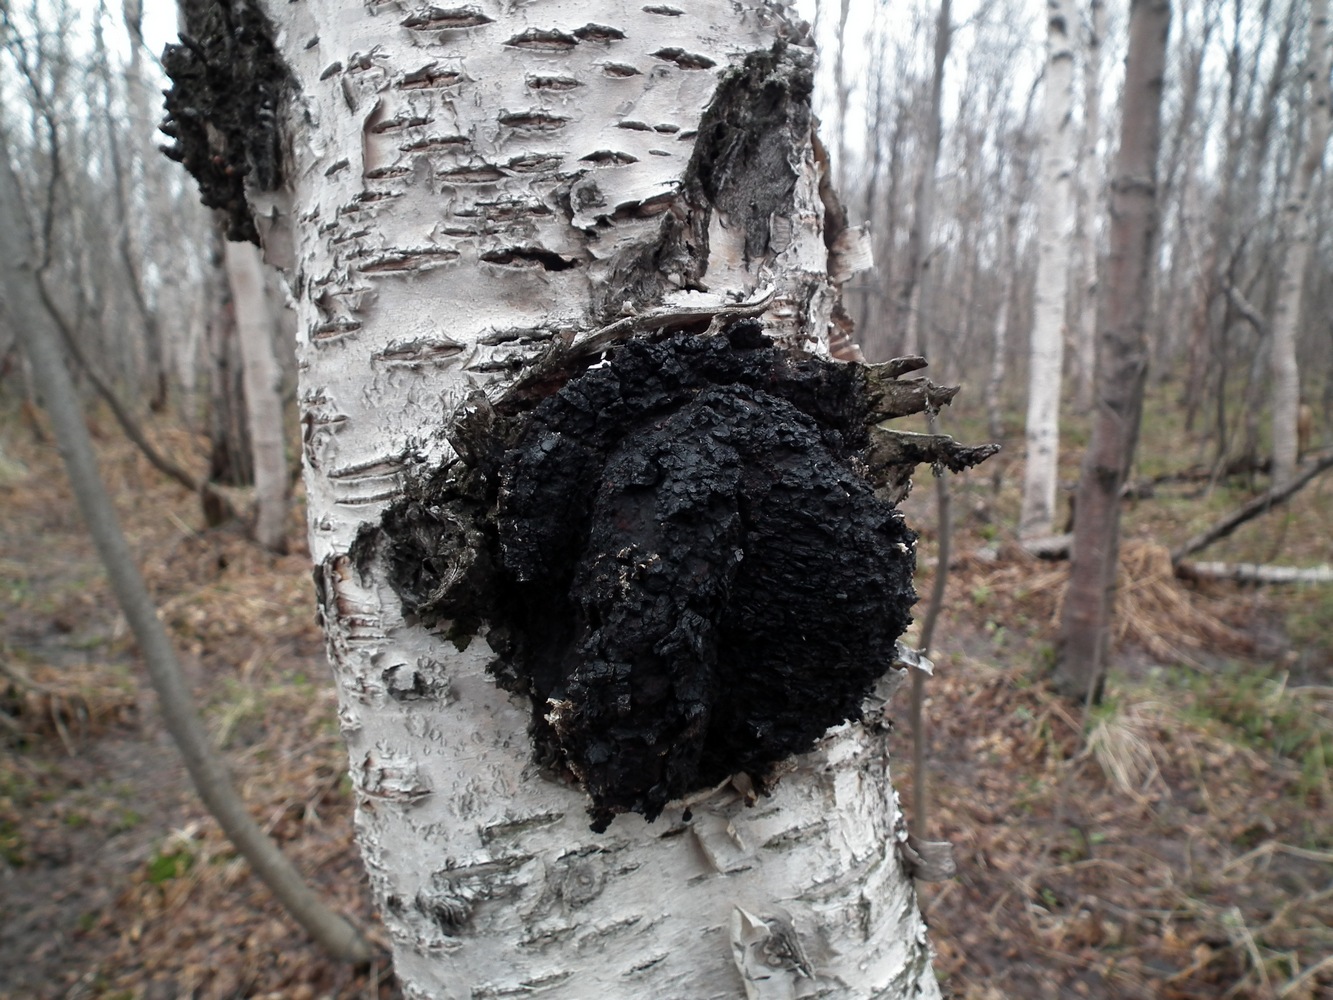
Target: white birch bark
1090 200
469 183
263 392
844 93
994 391
1291 283
1055 230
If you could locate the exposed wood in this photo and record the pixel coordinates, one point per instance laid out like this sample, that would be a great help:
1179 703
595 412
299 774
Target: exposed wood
1259 505
929 860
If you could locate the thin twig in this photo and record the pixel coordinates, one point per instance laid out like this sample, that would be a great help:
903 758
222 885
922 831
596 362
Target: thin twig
937 589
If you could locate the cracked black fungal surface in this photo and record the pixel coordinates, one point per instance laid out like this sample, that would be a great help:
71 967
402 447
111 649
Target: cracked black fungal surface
227 83
678 556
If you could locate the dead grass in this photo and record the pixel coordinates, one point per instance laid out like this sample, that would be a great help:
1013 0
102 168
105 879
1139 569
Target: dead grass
72 704
118 882
1141 882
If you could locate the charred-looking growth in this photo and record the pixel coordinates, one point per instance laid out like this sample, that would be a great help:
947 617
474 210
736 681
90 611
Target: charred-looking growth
227 82
681 558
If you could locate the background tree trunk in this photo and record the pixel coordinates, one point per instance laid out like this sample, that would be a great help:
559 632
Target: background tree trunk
1286 317
907 323
263 388
1046 351
1090 202
1122 361
230 453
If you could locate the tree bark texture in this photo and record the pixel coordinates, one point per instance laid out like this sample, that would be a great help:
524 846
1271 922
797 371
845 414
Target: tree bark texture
1122 359
1054 239
467 191
1291 283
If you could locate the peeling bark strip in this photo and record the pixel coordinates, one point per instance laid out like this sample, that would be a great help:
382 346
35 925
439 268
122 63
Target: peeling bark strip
680 561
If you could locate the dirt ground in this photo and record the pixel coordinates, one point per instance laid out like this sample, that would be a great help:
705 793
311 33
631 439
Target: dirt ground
1184 849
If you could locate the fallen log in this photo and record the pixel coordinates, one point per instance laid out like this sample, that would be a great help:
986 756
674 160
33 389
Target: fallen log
1052 547
1259 505
1254 572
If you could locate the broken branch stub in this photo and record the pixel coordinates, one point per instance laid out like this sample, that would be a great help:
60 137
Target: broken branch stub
893 455
678 554
888 397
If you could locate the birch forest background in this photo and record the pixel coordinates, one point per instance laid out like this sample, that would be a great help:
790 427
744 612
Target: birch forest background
1169 836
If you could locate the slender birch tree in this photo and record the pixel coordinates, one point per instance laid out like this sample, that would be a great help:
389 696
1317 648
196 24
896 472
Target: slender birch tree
907 324
1055 236
1089 205
464 194
1291 281
23 310
263 393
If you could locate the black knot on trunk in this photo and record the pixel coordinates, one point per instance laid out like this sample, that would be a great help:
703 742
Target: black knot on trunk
688 570
227 83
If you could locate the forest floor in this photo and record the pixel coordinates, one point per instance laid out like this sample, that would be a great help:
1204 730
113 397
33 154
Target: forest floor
1178 843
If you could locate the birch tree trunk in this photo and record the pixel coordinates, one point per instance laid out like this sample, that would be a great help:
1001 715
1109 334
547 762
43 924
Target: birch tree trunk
263 392
1122 359
1090 200
999 353
465 188
907 325
1055 232
1286 316
844 92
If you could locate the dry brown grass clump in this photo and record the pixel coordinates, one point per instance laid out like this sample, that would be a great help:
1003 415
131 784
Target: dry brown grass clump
68 704
1158 612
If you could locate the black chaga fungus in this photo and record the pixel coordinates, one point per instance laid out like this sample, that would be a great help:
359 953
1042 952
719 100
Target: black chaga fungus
227 82
679 562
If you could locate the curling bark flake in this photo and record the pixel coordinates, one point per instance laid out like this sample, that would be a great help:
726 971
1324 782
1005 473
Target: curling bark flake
467 186
1055 231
